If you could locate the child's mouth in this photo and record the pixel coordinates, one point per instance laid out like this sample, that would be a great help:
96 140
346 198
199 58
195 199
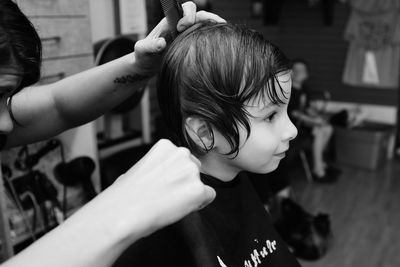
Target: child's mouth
281 155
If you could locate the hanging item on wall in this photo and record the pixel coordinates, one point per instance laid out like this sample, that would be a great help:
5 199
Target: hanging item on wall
370 72
373 56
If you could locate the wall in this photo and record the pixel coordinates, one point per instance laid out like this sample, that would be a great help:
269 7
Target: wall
301 34
102 19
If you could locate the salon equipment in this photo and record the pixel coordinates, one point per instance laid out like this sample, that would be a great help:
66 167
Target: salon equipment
173 12
6 170
7 174
366 146
77 172
32 191
37 183
26 161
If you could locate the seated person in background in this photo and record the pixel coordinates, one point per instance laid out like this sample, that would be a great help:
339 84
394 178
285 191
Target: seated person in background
223 90
310 121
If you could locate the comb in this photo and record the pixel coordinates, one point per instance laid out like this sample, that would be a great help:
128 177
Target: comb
173 12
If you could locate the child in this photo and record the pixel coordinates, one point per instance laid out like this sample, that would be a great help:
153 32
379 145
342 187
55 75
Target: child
223 90
310 121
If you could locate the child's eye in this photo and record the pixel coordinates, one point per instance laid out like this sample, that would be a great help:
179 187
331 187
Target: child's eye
270 117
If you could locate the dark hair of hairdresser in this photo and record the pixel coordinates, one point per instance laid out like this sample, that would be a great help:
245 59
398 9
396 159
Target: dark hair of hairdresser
20 45
211 71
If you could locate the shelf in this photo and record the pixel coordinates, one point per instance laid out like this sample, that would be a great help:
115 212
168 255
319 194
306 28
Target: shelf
107 143
113 146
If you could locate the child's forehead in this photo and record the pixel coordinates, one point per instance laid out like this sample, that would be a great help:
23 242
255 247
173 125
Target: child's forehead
259 105
263 101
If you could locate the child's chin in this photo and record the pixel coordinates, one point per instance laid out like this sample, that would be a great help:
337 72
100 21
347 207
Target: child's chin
270 167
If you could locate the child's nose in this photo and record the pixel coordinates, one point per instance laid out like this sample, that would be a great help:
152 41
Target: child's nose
290 132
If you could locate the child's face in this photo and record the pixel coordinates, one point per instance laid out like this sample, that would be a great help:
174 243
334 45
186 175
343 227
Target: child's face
271 131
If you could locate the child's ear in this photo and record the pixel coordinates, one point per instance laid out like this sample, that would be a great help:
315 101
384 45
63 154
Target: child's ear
200 132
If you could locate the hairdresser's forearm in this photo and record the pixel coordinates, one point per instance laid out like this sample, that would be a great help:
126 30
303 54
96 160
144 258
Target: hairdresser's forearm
87 95
88 239
45 111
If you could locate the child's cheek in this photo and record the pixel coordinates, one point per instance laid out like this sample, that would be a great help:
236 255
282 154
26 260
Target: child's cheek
262 144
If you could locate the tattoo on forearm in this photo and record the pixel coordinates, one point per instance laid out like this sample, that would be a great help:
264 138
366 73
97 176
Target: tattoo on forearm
130 78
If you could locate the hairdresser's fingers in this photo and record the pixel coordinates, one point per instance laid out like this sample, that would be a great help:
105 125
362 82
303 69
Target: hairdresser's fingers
158 30
150 46
189 16
204 16
209 196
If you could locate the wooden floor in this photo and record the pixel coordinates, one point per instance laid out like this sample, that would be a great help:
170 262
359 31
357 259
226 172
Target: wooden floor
365 213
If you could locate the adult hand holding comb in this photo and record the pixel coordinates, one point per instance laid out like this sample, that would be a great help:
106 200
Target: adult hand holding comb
148 51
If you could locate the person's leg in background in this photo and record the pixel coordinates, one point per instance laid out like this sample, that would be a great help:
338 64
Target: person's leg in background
321 171
328 131
318 151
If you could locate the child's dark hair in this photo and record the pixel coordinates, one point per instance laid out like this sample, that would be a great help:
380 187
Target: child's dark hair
211 71
19 42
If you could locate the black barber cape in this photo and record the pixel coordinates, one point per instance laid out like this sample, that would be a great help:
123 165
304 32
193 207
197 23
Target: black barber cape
233 231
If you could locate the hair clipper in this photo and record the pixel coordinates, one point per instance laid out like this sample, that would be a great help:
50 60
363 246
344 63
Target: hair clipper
173 12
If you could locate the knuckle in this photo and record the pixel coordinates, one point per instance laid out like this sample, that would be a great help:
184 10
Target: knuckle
198 188
192 167
139 45
160 147
183 151
189 172
164 143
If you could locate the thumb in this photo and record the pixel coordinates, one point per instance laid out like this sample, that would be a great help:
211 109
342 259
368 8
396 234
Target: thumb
209 196
150 46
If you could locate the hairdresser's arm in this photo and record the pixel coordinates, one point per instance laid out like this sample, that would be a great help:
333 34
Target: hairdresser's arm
48 110
159 190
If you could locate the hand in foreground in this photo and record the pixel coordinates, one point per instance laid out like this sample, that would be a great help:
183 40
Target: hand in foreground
160 189
149 50
163 187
